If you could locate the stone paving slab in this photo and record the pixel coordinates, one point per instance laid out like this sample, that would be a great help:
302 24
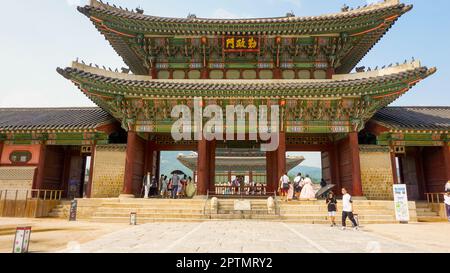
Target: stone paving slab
241 237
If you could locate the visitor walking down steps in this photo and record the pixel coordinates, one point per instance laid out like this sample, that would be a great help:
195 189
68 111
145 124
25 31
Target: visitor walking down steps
347 210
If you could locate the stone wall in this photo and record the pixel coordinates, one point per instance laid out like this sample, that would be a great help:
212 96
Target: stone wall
376 172
109 170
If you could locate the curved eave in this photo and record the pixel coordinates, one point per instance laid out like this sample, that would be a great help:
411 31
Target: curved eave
377 87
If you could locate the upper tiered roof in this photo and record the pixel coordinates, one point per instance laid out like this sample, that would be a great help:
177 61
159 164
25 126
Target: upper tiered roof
358 29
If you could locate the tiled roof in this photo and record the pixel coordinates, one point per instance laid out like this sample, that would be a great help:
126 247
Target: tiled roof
52 118
414 118
324 21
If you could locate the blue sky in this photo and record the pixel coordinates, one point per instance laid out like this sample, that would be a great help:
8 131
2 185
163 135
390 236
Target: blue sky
38 36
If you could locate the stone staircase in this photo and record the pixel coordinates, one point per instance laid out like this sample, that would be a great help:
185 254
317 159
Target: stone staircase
426 214
197 210
147 210
226 211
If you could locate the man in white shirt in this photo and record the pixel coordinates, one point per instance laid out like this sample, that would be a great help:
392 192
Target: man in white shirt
347 209
284 185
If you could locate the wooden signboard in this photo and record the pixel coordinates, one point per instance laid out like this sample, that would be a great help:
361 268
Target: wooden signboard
73 210
241 44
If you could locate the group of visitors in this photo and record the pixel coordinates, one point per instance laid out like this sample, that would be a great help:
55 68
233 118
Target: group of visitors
347 209
300 188
173 187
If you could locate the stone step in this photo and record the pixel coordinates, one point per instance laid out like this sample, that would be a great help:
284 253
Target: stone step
150 210
365 212
142 220
150 215
427 214
431 219
324 217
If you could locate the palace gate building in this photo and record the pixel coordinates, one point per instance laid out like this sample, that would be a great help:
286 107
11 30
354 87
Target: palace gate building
302 64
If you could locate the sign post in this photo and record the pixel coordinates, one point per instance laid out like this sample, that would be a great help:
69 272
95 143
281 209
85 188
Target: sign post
401 203
73 210
22 240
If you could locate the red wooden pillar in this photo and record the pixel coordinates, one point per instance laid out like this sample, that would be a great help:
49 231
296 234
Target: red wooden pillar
356 166
334 165
281 155
250 177
271 171
202 167
38 184
129 164
229 176
66 171
446 154
149 157
212 165
91 172
158 165
418 155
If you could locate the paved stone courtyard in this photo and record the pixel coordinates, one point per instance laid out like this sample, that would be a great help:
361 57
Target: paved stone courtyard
225 236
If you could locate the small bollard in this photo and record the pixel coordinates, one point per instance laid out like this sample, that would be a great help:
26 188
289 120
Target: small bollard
22 240
133 218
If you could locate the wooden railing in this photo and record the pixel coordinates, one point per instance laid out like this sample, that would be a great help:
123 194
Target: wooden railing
28 203
241 190
435 197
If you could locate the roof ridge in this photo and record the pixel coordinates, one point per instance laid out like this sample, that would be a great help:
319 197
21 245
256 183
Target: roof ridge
346 10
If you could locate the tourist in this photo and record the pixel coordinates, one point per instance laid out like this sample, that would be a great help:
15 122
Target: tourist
164 185
332 208
175 185
307 192
154 187
447 204
297 188
347 210
447 186
170 187
284 186
146 181
291 191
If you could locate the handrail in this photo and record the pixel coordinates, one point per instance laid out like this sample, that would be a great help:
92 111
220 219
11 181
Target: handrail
19 194
431 197
240 190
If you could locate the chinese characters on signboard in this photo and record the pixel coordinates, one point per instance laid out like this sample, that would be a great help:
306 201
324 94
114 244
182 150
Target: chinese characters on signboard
241 44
